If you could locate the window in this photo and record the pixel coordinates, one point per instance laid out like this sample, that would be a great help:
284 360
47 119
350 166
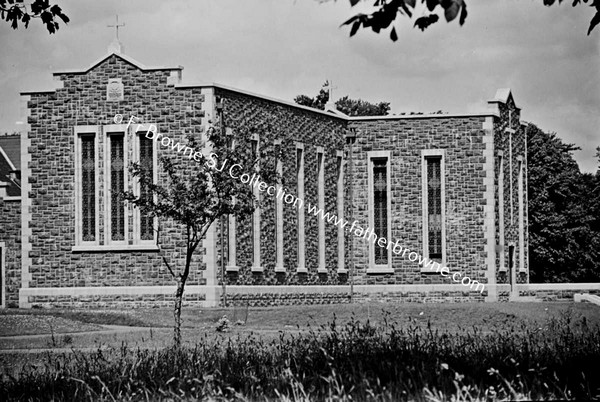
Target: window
340 209
434 230
300 210
380 208
122 227
116 185
321 204
279 216
255 217
231 232
146 161
379 179
502 259
434 209
521 215
86 186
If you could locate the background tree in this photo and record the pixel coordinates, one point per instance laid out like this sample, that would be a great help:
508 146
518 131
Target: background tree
429 10
351 107
14 11
564 225
195 193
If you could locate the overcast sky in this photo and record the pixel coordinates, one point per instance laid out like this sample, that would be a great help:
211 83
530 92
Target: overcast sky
282 48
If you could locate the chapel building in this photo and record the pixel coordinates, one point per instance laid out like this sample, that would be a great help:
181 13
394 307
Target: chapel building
451 188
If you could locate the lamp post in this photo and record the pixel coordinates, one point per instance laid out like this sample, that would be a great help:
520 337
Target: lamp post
219 108
350 139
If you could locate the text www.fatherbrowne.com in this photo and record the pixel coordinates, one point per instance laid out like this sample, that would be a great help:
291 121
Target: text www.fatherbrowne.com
235 171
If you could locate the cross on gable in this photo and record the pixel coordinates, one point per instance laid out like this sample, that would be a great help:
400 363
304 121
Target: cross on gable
116 26
329 88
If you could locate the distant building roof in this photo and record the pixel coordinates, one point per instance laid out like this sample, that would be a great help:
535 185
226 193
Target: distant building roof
10 164
11 144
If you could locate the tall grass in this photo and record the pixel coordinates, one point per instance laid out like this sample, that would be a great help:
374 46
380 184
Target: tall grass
355 360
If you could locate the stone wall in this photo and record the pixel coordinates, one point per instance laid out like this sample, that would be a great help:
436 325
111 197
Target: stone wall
461 138
10 235
512 144
313 129
151 96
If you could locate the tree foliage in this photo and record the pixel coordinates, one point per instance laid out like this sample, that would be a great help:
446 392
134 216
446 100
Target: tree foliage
386 12
350 107
195 193
564 212
14 11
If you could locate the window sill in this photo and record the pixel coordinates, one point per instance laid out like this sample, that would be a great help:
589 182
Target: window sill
342 271
301 270
279 269
322 271
108 248
232 268
380 270
256 269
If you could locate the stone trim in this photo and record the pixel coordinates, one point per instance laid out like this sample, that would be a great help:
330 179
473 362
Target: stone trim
3 274
114 247
26 215
321 205
489 209
210 241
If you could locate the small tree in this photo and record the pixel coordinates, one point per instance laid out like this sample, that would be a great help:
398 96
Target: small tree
195 193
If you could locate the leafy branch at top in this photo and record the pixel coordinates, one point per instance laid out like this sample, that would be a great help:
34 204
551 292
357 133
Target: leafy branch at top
14 11
388 10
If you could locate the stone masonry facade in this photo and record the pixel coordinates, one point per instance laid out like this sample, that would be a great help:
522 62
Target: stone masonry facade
10 244
59 269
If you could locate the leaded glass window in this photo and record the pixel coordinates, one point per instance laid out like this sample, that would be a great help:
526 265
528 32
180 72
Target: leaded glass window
380 198
146 162
88 188
117 186
434 208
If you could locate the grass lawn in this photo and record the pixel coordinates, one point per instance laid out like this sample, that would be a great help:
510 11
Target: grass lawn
439 332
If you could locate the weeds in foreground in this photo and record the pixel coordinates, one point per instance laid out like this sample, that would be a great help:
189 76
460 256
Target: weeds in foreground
353 361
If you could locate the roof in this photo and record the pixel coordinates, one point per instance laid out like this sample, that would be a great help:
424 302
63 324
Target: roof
126 58
11 145
502 96
333 113
9 172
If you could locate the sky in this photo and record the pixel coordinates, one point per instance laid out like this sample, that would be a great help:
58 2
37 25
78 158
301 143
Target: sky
283 48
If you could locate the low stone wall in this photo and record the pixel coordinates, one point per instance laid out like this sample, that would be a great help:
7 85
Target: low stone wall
562 292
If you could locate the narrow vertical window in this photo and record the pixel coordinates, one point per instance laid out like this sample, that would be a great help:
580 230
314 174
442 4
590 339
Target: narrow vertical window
255 217
88 188
300 210
117 186
502 259
433 196
434 209
340 210
521 216
146 161
231 224
279 215
380 208
321 203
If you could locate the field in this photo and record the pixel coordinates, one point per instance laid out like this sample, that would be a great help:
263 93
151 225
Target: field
495 351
